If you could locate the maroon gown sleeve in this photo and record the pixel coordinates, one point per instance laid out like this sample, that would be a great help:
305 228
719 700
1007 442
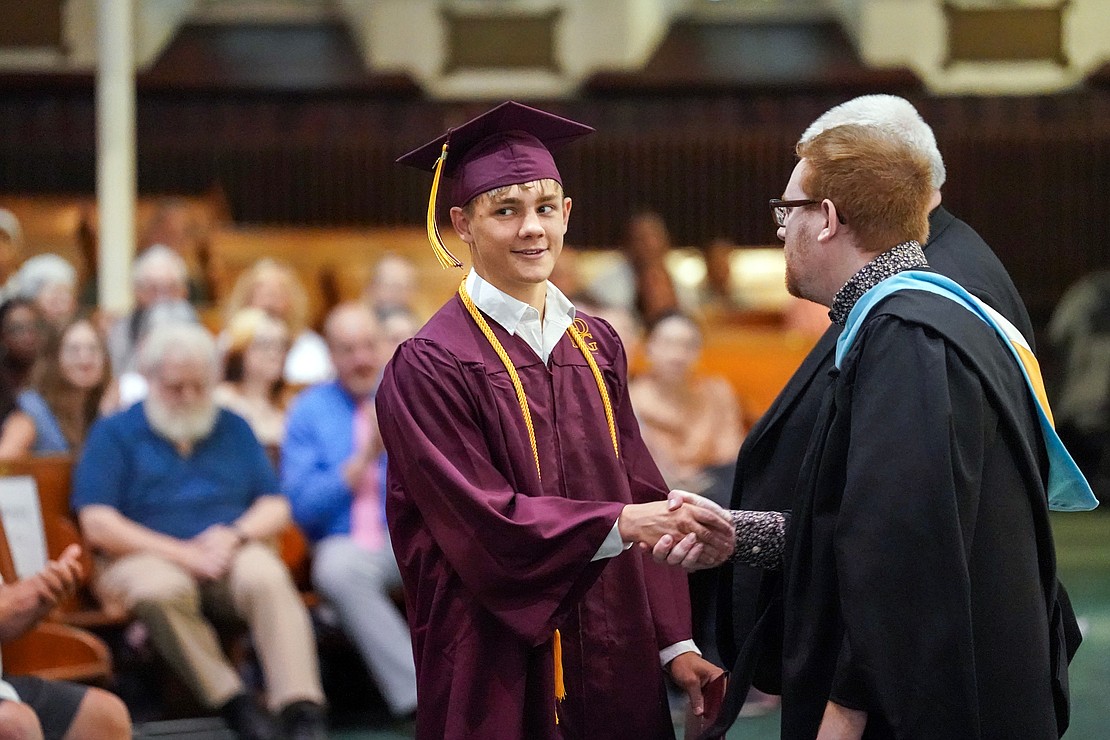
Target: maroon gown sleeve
524 558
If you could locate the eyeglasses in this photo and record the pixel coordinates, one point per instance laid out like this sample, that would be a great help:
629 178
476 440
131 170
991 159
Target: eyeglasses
781 209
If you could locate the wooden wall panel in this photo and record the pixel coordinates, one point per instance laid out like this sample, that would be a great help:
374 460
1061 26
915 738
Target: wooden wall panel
1002 34
31 24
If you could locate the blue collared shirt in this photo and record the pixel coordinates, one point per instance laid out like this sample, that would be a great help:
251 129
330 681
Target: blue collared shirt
319 439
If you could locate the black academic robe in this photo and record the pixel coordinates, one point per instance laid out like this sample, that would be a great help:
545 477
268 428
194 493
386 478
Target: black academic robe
749 619
493 558
919 581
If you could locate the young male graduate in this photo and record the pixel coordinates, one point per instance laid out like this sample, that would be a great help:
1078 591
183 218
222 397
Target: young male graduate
920 597
517 478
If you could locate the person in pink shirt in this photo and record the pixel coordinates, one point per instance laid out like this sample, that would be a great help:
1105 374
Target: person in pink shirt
332 472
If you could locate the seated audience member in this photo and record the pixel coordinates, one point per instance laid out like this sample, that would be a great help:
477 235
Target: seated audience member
157 276
392 286
180 501
175 226
253 384
1080 337
640 281
333 474
66 397
274 287
22 340
691 425
717 296
648 243
132 383
11 244
51 282
33 708
397 325
624 323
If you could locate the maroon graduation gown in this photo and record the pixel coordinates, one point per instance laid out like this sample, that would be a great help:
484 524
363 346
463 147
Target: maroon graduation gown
493 560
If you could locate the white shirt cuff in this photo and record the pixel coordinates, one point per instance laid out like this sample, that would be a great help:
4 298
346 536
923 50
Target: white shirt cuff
666 655
612 546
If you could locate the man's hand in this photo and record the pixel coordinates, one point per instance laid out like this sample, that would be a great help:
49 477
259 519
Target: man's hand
687 552
60 578
24 603
691 671
220 539
208 556
367 451
647 523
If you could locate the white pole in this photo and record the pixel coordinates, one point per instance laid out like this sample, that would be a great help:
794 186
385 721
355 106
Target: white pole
115 153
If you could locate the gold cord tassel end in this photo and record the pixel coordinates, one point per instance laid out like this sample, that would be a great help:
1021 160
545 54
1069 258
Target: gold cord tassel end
446 259
560 688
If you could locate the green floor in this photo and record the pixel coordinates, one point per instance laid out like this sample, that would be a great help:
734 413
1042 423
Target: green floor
1083 547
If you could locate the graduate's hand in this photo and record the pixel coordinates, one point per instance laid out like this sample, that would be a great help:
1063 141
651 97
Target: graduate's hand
647 523
687 552
690 672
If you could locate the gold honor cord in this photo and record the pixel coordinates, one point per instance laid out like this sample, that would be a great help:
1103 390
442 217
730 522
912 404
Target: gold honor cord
508 363
522 399
443 254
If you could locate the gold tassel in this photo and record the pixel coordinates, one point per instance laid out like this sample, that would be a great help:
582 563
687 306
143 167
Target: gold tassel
446 259
560 687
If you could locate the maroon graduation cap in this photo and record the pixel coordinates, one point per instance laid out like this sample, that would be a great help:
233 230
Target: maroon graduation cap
507 145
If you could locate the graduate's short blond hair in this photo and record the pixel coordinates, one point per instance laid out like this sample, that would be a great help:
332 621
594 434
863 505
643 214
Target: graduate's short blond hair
880 185
546 186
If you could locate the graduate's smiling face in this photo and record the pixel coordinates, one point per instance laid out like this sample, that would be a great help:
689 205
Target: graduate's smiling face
515 235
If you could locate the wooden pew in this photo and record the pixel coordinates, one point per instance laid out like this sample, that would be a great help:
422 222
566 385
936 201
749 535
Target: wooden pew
53 475
335 264
757 361
67 225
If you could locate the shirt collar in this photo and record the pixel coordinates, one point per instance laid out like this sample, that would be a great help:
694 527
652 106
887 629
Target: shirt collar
510 312
902 257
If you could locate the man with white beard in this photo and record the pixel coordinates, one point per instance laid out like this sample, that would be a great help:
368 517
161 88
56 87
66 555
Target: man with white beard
178 498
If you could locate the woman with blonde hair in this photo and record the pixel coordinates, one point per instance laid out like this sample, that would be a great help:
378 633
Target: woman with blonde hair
72 387
274 287
254 386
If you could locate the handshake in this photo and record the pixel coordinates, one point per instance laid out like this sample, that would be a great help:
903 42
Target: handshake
686 530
